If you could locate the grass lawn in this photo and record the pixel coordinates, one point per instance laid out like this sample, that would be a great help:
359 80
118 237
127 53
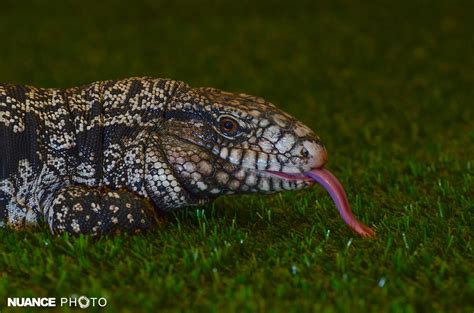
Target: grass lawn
388 87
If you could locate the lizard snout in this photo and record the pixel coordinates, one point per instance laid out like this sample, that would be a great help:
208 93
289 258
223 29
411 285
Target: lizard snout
305 156
315 154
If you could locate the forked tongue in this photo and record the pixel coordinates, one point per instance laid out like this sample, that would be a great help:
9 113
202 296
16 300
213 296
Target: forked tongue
338 195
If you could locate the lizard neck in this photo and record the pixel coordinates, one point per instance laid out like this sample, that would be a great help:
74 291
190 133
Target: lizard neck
110 118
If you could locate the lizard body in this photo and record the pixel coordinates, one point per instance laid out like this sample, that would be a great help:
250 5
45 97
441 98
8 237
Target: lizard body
108 156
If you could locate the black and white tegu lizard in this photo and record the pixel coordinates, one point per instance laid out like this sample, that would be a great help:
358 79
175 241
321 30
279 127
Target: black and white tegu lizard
106 157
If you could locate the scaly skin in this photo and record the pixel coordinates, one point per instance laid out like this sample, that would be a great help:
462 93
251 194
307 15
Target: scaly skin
106 157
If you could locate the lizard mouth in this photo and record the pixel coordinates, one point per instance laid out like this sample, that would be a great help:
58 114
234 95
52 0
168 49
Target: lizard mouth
290 176
332 185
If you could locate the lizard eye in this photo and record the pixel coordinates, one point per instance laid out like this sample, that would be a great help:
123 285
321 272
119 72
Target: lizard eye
228 126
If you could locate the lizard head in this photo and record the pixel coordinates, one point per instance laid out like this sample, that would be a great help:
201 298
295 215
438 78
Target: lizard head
224 143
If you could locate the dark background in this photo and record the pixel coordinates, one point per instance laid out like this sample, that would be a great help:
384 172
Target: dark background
389 87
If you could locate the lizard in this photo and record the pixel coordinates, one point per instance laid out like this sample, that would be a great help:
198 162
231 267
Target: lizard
111 156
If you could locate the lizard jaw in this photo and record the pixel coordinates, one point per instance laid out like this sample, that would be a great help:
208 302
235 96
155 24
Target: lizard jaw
289 176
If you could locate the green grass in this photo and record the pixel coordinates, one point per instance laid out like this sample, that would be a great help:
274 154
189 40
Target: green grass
388 87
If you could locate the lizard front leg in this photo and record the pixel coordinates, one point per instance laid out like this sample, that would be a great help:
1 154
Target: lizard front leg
79 209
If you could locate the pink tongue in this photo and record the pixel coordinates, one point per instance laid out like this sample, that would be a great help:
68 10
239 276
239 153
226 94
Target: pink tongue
334 187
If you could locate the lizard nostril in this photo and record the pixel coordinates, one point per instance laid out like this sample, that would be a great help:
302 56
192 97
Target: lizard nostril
304 152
